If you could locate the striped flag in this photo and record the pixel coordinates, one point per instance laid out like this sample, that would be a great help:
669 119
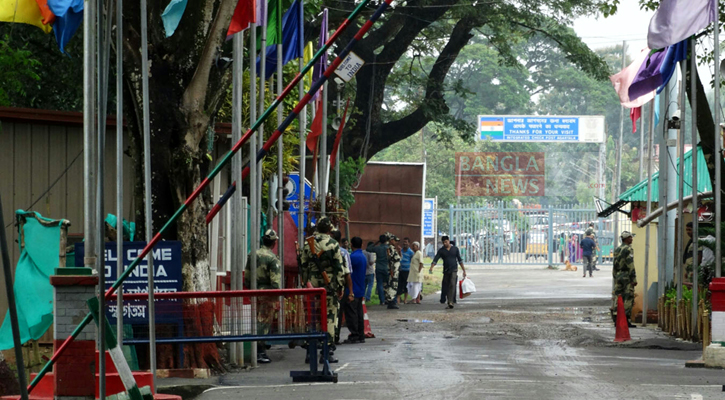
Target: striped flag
491 127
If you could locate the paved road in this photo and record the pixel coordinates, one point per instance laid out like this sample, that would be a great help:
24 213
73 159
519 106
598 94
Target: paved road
526 334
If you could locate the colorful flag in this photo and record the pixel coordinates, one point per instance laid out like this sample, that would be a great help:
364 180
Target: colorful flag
308 53
245 15
273 22
68 17
676 20
657 71
172 15
48 16
291 33
338 138
634 115
623 79
321 65
315 128
675 54
23 12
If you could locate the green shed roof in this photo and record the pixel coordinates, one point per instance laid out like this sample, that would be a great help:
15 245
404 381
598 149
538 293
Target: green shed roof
639 191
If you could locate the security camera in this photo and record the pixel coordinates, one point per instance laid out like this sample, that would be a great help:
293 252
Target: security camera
676 115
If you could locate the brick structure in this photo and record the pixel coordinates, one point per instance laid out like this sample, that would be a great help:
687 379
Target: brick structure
74 372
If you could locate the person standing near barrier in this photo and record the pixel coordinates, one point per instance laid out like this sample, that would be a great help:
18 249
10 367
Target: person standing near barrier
354 315
451 259
391 286
415 279
380 249
625 277
347 263
588 246
324 267
598 251
370 272
268 277
405 255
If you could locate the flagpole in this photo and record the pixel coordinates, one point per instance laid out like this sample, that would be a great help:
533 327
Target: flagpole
681 177
717 152
337 156
695 157
280 169
303 146
119 167
236 202
650 140
323 151
253 187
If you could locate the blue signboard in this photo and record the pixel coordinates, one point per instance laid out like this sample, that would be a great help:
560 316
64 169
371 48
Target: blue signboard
517 128
428 218
167 274
293 196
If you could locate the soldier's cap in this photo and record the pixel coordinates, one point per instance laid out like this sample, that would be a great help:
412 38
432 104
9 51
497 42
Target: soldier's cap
324 223
627 234
270 234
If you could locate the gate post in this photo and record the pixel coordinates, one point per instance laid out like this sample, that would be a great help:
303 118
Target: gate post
551 236
450 223
502 233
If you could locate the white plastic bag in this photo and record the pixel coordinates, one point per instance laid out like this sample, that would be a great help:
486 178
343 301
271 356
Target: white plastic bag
466 287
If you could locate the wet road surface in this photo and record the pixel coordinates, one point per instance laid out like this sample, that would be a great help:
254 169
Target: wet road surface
525 334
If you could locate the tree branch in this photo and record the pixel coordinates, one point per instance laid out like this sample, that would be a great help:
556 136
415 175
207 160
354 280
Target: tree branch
392 131
194 98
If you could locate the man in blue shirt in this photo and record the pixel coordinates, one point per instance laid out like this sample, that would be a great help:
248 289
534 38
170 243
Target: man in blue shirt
405 255
354 315
588 244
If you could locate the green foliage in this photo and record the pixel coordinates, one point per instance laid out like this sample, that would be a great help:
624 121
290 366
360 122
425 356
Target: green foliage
350 172
18 69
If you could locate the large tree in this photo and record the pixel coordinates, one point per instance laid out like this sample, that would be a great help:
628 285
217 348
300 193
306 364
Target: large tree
188 86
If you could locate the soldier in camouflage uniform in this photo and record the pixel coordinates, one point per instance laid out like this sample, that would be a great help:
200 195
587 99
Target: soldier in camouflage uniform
391 286
689 254
268 277
625 277
322 266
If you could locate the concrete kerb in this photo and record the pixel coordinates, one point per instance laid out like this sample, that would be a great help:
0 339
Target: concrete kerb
187 390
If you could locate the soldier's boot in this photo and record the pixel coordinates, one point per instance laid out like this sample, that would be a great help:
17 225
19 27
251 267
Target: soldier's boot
263 359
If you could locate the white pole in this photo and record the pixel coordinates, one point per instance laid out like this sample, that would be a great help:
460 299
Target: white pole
280 169
681 180
671 187
119 168
650 140
253 183
339 152
147 183
323 152
615 191
236 206
662 188
718 145
303 153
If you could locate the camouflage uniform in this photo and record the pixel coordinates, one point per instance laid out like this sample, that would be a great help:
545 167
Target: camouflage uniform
325 257
391 286
268 277
687 259
625 278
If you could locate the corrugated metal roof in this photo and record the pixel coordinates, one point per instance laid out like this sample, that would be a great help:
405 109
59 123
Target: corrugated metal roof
639 191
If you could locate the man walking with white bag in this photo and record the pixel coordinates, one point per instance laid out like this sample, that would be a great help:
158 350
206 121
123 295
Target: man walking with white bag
451 259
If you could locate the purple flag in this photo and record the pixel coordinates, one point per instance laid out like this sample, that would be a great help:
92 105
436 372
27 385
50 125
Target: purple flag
676 20
656 72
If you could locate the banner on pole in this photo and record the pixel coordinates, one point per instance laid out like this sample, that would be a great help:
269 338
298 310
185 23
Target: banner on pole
428 218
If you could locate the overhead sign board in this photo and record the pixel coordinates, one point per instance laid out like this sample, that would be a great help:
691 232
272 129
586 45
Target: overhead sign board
531 128
349 67
428 218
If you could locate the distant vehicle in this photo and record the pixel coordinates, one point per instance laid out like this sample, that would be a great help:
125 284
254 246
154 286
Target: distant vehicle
606 243
536 245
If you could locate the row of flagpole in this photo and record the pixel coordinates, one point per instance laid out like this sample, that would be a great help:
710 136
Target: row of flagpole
671 31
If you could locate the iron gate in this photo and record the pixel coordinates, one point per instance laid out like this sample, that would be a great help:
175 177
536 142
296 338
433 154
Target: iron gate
509 233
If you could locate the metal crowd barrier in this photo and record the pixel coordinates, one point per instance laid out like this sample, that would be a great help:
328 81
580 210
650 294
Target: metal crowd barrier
186 318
